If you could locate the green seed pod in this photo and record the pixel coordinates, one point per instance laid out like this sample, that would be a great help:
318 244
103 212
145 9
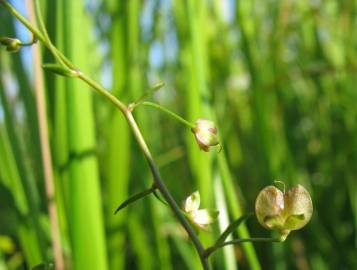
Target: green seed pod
11 44
284 212
205 133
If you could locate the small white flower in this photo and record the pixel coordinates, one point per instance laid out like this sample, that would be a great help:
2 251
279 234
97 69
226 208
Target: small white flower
205 133
200 218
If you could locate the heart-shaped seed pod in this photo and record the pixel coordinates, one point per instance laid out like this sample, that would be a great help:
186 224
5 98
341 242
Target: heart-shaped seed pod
283 211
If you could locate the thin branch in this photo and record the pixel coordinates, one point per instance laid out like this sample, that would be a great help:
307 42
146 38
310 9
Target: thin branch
172 114
44 32
165 192
210 250
137 133
101 90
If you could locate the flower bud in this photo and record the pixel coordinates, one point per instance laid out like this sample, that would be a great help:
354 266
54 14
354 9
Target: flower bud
11 44
205 133
199 218
283 211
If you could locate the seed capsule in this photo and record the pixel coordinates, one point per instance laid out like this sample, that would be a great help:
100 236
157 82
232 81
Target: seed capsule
283 212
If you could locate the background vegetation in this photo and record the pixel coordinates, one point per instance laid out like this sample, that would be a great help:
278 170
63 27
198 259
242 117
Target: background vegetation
278 77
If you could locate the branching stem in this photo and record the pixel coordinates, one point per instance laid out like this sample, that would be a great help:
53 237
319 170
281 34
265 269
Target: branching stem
210 250
132 123
172 114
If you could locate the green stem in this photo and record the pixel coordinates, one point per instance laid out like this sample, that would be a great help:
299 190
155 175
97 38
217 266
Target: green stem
210 250
25 22
44 32
276 182
37 33
137 133
164 191
174 115
30 43
101 90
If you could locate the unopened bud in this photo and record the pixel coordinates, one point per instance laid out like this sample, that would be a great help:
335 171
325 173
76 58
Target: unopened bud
205 133
283 211
11 44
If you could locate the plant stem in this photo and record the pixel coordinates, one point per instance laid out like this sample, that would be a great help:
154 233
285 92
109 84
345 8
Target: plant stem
210 250
174 115
137 133
101 90
164 191
30 43
37 33
44 32
25 22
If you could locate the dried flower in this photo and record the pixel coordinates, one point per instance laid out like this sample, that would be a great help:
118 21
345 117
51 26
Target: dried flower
205 133
283 211
200 218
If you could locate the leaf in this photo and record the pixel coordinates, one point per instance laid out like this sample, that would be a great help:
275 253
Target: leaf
231 227
151 90
43 266
135 198
60 70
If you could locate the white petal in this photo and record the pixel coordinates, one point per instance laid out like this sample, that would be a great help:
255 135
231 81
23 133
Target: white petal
204 216
192 202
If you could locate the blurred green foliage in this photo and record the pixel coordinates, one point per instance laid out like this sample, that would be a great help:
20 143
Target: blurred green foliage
277 77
